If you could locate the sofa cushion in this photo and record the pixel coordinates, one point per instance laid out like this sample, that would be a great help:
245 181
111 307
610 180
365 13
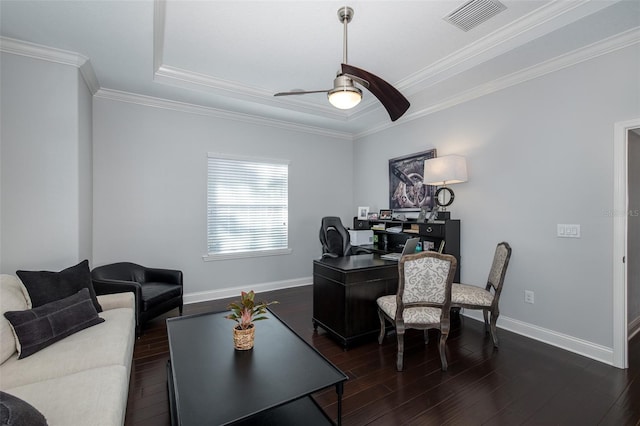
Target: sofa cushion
13 297
46 286
96 397
16 412
108 343
40 327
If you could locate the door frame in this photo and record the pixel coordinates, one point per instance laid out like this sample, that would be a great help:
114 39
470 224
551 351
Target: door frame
619 215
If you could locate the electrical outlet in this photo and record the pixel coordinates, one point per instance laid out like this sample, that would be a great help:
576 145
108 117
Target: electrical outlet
529 297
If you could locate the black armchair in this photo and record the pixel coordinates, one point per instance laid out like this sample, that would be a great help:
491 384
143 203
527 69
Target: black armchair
156 290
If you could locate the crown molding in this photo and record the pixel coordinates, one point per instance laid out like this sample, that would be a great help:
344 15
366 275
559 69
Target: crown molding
540 21
159 18
594 50
132 98
172 76
50 54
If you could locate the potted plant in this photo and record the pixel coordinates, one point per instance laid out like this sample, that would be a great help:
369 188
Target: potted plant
245 313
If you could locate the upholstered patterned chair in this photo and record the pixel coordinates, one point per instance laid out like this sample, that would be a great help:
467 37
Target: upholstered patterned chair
423 299
485 299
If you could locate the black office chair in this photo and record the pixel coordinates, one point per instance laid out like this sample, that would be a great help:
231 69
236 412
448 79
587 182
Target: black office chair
335 239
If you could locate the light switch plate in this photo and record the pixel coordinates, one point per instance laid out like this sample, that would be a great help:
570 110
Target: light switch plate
568 230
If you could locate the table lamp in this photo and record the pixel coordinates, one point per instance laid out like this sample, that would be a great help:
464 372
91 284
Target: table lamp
445 171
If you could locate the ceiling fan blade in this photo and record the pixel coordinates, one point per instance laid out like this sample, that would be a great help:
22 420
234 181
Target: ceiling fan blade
393 101
300 92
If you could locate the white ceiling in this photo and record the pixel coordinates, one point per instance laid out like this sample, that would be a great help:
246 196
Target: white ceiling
234 55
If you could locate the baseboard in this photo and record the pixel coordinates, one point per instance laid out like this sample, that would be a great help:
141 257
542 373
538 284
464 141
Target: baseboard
204 296
551 337
634 328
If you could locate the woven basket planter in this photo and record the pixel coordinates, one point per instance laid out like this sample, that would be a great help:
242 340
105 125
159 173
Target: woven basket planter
243 339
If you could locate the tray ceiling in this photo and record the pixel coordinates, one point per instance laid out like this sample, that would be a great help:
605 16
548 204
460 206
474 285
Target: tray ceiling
234 55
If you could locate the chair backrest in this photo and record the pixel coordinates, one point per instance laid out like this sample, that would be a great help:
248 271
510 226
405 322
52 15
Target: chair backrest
425 279
499 267
124 271
334 237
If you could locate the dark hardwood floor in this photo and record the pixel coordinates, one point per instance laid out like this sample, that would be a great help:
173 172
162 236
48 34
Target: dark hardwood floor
525 382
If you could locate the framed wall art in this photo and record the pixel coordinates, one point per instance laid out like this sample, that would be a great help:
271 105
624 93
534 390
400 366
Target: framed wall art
406 190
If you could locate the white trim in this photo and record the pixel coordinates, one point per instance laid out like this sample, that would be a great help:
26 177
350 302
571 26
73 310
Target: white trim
594 50
620 203
204 296
159 19
249 158
172 76
543 20
116 95
245 254
50 54
579 346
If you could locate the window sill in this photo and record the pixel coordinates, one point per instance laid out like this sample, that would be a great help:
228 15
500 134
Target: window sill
245 254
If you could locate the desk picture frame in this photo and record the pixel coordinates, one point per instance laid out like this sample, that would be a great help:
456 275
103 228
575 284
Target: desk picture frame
363 212
385 214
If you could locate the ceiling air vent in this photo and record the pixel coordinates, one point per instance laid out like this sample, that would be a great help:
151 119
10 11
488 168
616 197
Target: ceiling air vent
474 13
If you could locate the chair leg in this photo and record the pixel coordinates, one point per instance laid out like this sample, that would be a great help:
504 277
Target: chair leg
485 313
494 332
399 360
180 309
382 327
443 346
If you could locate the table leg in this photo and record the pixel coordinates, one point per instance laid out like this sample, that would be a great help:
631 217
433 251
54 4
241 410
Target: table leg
339 389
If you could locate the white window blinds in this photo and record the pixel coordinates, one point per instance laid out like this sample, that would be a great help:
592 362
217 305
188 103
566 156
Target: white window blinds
247 204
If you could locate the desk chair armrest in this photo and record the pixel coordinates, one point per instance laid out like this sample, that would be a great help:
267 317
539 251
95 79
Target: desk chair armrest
330 255
360 250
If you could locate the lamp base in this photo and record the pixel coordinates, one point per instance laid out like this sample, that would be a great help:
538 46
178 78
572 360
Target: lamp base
443 216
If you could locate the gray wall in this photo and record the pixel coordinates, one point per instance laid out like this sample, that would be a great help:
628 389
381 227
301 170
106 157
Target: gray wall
633 231
46 172
150 168
539 154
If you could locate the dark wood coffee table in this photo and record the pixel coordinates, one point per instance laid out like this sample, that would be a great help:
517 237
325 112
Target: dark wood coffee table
210 383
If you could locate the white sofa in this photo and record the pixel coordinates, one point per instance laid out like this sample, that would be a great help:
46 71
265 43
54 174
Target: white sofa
80 380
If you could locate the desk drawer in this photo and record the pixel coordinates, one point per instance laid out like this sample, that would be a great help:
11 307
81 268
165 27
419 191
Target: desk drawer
432 229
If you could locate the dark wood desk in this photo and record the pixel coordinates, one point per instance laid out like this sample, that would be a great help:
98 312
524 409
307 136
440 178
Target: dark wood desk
345 290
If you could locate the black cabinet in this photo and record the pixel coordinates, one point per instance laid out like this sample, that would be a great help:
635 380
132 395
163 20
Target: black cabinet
390 236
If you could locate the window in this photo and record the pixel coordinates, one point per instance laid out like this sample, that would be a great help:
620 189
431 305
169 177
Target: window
247 207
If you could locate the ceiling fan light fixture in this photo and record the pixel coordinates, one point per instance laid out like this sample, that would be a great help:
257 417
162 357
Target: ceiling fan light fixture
344 94
345 97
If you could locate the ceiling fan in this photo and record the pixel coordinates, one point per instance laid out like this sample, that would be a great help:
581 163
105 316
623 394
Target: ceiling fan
346 95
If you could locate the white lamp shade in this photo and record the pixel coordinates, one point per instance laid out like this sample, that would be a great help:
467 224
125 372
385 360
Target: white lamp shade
445 170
